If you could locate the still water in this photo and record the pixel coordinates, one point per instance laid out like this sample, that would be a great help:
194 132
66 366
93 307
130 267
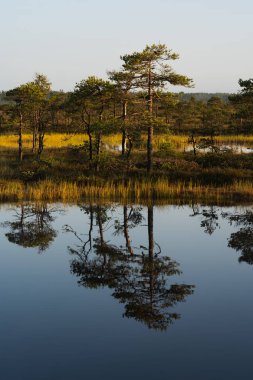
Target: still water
126 292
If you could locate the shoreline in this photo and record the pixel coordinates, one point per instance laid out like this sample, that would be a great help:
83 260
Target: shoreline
138 191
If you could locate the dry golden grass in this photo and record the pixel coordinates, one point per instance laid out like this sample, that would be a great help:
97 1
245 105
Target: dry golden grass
235 139
54 140
137 191
63 140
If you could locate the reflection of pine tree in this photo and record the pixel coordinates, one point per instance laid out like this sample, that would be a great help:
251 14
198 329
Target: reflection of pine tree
139 281
209 218
95 259
31 226
144 290
242 240
131 219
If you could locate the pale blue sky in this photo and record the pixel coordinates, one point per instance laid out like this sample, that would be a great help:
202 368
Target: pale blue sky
70 39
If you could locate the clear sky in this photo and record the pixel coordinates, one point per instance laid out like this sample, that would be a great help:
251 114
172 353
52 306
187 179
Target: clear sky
70 39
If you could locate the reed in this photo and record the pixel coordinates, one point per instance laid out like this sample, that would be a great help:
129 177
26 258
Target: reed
235 139
130 191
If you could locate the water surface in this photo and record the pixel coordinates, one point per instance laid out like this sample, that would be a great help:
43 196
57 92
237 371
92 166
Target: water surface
120 292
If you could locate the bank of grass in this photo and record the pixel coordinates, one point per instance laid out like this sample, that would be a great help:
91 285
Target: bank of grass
64 174
144 191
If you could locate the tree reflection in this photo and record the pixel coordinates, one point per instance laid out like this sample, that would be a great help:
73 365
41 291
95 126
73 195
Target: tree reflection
96 260
209 219
242 240
131 219
144 289
32 226
138 276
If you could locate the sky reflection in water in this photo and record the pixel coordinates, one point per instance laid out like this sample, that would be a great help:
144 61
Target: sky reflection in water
181 278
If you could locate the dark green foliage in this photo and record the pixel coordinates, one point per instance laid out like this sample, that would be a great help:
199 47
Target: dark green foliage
225 160
243 104
135 102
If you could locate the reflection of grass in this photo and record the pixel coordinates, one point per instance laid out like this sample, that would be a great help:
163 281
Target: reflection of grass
137 191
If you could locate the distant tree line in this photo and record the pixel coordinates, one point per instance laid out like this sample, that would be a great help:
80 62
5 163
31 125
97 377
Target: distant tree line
204 96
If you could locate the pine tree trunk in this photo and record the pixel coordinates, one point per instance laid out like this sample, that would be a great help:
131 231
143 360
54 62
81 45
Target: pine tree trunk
123 142
41 145
90 143
20 140
34 140
124 116
130 146
150 127
150 149
98 151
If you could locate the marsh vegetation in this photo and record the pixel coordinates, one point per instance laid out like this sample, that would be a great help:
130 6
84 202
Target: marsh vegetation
127 137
